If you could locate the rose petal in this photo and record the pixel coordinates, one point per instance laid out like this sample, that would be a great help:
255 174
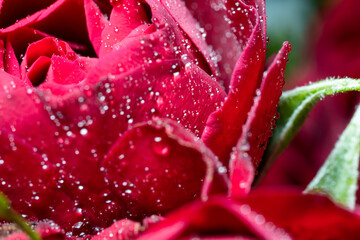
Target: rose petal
176 80
257 128
123 19
166 39
105 112
126 229
123 229
100 113
33 190
24 117
177 10
95 22
38 71
21 112
2 53
34 122
157 166
242 173
218 217
127 56
228 44
224 127
38 56
22 38
65 19
305 216
11 64
46 47
56 63
64 71
64 75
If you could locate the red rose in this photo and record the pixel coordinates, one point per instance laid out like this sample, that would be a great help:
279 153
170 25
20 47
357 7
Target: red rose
118 110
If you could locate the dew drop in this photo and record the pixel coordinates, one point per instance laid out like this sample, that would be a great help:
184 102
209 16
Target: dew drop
83 131
160 147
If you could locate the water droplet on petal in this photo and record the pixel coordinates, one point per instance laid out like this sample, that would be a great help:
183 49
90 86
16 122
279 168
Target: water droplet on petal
160 147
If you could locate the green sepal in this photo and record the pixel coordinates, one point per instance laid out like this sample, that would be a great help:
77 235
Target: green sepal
338 177
294 107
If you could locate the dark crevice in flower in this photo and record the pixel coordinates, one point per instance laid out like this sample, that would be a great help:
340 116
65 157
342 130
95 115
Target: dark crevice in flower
148 12
105 6
12 11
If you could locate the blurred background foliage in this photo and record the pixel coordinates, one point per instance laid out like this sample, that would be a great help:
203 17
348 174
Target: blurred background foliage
296 21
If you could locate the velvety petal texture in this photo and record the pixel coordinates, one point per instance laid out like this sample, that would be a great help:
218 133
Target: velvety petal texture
95 22
305 216
228 27
260 122
123 229
224 126
218 218
157 166
257 129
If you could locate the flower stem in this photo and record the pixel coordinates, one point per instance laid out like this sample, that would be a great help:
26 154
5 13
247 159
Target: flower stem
8 214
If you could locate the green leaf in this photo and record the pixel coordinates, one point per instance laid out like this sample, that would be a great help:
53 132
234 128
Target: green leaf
8 214
338 177
294 107
4 207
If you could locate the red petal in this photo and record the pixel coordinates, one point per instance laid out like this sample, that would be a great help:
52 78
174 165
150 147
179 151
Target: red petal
186 89
40 53
305 216
121 230
260 122
38 71
64 19
90 120
177 10
11 64
220 34
257 128
126 229
216 218
55 62
157 166
39 126
128 57
2 53
46 47
22 38
242 173
95 22
8 83
33 189
64 71
124 18
224 127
